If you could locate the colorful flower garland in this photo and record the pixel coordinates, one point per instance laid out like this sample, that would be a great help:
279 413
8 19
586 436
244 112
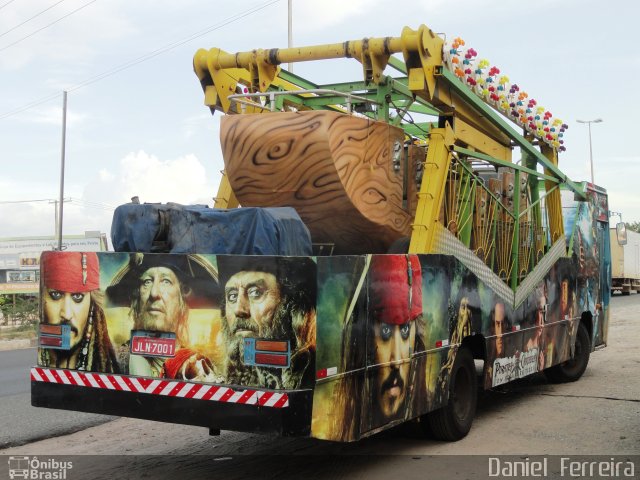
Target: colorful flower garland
486 82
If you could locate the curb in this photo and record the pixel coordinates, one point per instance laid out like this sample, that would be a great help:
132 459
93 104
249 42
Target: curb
18 344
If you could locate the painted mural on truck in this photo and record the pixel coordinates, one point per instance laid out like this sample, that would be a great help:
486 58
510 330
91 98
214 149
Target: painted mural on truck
183 317
590 250
389 328
375 336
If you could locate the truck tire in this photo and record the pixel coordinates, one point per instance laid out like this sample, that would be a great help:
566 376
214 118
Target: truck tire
572 369
453 421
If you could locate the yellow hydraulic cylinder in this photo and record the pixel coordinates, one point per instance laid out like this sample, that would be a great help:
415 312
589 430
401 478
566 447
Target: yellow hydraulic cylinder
421 48
225 198
553 200
432 189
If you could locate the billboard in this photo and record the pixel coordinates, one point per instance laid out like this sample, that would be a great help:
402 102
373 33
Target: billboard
20 258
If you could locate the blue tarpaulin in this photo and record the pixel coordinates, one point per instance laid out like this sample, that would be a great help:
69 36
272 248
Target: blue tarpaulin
177 228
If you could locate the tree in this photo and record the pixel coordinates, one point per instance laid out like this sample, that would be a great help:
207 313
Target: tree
23 312
633 226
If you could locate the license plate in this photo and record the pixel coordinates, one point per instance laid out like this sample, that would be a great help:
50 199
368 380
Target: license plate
153 347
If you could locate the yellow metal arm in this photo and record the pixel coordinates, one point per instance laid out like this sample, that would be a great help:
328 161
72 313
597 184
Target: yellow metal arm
421 48
432 188
225 198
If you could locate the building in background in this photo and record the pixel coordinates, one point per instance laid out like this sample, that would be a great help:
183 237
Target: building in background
20 258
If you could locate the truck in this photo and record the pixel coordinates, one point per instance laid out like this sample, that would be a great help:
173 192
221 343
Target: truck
625 262
370 240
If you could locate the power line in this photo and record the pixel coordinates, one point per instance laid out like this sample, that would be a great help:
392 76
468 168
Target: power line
47 26
84 203
7 3
35 103
29 19
143 58
88 203
171 46
3 202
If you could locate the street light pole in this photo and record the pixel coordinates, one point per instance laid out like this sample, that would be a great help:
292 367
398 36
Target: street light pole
589 122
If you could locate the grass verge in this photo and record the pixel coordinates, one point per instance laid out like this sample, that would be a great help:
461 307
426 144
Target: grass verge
20 331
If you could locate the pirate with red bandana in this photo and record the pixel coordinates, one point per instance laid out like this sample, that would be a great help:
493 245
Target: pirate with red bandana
71 296
396 304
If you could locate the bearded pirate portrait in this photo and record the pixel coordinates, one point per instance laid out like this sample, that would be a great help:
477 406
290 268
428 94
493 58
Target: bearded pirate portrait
271 298
161 291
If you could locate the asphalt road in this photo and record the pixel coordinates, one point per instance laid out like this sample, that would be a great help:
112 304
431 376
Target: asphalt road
598 415
22 423
13 377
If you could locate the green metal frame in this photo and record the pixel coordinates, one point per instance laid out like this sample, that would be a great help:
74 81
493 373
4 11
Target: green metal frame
394 92
390 99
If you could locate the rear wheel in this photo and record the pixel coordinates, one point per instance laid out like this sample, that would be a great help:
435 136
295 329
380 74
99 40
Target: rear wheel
453 421
572 369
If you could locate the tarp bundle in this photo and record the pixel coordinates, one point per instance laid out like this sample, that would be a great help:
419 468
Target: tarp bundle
174 228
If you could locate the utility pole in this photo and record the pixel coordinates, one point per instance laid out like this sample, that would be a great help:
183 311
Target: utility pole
55 203
64 136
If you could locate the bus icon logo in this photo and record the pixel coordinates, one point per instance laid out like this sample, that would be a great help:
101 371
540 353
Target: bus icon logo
18 467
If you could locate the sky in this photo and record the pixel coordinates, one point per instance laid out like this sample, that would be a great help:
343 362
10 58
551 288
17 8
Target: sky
137 125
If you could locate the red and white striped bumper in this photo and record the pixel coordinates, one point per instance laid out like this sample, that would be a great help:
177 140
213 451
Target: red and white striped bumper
167 388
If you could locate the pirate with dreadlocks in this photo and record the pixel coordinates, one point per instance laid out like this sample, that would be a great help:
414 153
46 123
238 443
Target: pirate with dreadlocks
71 296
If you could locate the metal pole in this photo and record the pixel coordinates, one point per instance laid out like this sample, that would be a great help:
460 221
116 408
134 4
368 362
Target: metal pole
589 122
64 136
290 31
591 153
55 202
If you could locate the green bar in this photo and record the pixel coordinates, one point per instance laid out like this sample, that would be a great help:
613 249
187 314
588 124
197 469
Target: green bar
466 211
400 85
326 100
418 129
420 108
295 79
346 86
398 64
494 230
535 207
515 245
503 163
383 93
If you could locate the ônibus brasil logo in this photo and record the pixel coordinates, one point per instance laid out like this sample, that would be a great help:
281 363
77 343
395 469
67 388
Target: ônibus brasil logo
40 469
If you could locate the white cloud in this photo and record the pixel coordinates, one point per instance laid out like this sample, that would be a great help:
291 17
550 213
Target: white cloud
181 180
27 219
105 175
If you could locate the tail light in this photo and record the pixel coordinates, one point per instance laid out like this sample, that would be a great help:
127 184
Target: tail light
54 336
267 353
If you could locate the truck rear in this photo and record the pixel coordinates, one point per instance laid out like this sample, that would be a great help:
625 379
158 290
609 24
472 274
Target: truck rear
377 254
625 263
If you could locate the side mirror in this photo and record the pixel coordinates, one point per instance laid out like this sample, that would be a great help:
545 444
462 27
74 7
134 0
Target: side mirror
621 233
